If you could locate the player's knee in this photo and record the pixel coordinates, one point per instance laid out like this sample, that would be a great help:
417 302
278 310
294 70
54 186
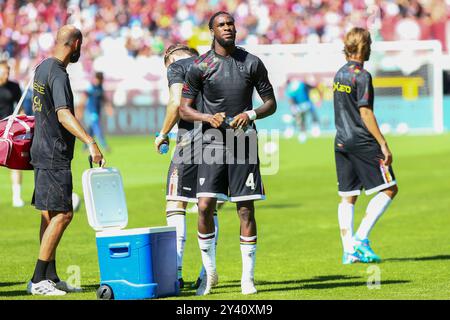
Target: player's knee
351 200
204 207
246 214
392 191
63 218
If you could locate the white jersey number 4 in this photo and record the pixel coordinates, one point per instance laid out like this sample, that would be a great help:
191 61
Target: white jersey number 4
250 182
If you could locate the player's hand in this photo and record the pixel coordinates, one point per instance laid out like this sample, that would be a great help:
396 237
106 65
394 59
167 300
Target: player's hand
240 121
97 156
160 140
387 155
216 120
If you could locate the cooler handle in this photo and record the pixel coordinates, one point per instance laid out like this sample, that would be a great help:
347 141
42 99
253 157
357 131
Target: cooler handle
119 250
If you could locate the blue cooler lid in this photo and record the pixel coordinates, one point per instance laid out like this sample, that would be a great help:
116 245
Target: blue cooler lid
104 198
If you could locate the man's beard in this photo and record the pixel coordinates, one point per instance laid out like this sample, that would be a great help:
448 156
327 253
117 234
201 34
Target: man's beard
75 56
226 43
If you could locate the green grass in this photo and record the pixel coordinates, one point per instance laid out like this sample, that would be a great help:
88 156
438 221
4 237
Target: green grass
299 249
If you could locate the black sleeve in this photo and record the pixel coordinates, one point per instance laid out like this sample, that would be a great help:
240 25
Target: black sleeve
193 84
175 74
261 80
60 88
364 90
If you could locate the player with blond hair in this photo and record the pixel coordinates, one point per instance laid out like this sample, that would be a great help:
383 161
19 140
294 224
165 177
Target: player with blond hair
363 158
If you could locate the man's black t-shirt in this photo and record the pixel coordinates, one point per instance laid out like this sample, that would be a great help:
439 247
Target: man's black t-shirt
352 89
176 73
10 94
53 145
226 83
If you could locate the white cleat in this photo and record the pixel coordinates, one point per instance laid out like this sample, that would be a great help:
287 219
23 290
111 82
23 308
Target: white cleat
248 287
18 203
44 288
64 286
207 284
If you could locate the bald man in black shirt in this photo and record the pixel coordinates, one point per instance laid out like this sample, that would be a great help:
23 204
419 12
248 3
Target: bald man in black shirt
51 155
226 77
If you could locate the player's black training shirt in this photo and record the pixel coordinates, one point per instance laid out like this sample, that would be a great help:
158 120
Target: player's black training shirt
53 145
226 83
176 73
352 88
10 94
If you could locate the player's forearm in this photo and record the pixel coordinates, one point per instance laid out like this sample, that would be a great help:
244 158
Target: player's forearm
268 108
171 118
71 124
370 121
187 113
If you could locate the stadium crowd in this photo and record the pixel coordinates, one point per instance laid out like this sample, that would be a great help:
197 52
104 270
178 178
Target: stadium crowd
131 35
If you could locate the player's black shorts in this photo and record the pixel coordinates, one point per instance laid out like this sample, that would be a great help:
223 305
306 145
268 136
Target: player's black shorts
53 190
182 176
358 170
182 182
230 180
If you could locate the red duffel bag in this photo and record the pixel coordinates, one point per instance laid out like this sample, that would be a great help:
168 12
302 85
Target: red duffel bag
16 136
15 144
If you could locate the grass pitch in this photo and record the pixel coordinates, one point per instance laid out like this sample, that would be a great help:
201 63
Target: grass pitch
299 249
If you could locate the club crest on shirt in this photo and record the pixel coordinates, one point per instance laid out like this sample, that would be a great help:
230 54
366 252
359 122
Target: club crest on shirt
202 181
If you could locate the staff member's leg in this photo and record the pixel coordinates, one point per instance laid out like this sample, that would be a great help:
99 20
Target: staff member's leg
53 197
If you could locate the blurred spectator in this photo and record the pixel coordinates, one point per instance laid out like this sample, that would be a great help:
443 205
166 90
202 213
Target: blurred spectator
130 34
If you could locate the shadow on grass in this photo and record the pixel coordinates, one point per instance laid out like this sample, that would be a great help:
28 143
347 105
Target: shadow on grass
237 283
431 258
14 293
321 286
10 284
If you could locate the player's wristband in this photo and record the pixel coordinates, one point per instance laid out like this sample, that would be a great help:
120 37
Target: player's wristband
162 136
91 143
251 114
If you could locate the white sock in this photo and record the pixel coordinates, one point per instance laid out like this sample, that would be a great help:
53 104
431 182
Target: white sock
177 219
207 245
345 216
376 207
16 191
216 229
248 252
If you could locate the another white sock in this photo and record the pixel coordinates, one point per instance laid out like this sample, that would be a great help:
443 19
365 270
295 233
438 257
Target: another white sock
376 207
216 229
177 219
17 191
345 216
248 252
206 243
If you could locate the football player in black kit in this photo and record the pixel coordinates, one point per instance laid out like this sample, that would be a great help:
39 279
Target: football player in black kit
225 77
182 177
363 158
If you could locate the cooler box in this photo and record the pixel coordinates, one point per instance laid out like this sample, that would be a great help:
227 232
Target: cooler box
134 263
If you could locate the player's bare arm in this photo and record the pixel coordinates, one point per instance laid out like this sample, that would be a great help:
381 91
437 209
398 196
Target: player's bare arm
68 121
188 113
370 121
172 115
268 108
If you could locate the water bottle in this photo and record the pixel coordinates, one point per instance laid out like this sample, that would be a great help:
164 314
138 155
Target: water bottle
164 147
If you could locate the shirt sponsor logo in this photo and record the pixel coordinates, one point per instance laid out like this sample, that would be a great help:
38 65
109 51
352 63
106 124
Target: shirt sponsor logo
341 87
